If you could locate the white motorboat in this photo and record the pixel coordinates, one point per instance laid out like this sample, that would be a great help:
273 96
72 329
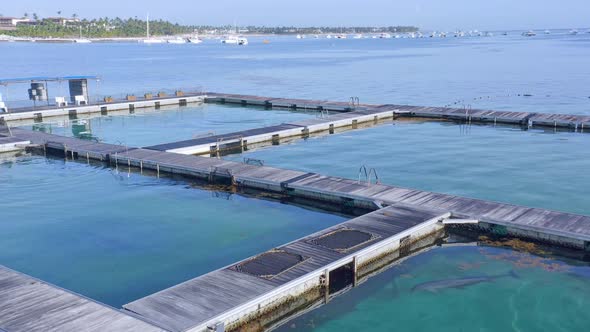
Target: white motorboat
194 40
234 40
385 35
529 33
176 41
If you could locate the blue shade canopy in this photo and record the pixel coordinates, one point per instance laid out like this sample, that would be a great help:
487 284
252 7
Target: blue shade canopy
45 79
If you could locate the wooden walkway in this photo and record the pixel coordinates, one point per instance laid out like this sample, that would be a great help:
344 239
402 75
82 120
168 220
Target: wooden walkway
241 288
241 139
575 122
197 301
38 113
29 305
321 187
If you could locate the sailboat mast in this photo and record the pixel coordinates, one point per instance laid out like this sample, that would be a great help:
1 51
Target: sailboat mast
147 22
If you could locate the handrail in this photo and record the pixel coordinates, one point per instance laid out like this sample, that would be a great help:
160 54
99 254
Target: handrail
362 169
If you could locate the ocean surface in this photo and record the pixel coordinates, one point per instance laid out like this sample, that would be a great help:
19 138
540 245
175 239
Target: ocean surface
116 237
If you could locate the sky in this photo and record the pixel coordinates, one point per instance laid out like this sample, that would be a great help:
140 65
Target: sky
426 14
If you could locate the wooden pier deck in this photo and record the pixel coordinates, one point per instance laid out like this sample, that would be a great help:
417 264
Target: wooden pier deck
303 268
40 112
531 221
529 119
216 143
31 305
216 296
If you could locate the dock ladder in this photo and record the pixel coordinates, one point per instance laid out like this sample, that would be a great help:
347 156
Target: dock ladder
354 102
368 175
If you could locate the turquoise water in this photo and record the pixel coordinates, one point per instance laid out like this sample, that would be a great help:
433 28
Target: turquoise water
168 125
116 237
542 294
532 168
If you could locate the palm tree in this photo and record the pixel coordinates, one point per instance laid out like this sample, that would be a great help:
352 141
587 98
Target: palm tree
74 15
35 16
26 15
58 12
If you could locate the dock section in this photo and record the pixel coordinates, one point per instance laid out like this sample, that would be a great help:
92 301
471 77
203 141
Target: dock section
261 290
31 305
72 111
273 134
526 119
534 223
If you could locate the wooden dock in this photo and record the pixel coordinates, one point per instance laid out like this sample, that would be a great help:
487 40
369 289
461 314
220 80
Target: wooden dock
273 134
526 119
72 111
31 305
552 226
266 289
259 289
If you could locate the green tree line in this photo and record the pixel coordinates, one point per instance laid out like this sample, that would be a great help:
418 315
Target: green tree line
134 27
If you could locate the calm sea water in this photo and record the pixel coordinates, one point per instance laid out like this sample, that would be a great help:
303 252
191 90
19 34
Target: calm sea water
520 292
116 238
533 168
164 126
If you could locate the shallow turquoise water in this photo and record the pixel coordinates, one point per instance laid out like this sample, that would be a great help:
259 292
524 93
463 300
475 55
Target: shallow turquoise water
168 125
116 238
532 168
543 295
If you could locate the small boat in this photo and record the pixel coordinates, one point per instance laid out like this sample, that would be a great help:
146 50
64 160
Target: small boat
82 40
242 41
573 32
176 41
233 40
341 36
547 32
385 35
194 40
358 36
153 41
529 33
148 39
504 33
329 36
299 37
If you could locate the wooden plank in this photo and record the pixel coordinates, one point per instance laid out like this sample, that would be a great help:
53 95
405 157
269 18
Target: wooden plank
28 304
198 300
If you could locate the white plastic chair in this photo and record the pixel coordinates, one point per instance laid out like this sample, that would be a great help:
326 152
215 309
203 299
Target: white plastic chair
80 100
61 101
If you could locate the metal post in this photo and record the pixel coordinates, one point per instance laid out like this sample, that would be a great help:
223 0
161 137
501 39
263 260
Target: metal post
327 286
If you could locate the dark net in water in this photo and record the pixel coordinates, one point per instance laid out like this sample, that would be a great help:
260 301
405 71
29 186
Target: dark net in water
269 264
343 239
